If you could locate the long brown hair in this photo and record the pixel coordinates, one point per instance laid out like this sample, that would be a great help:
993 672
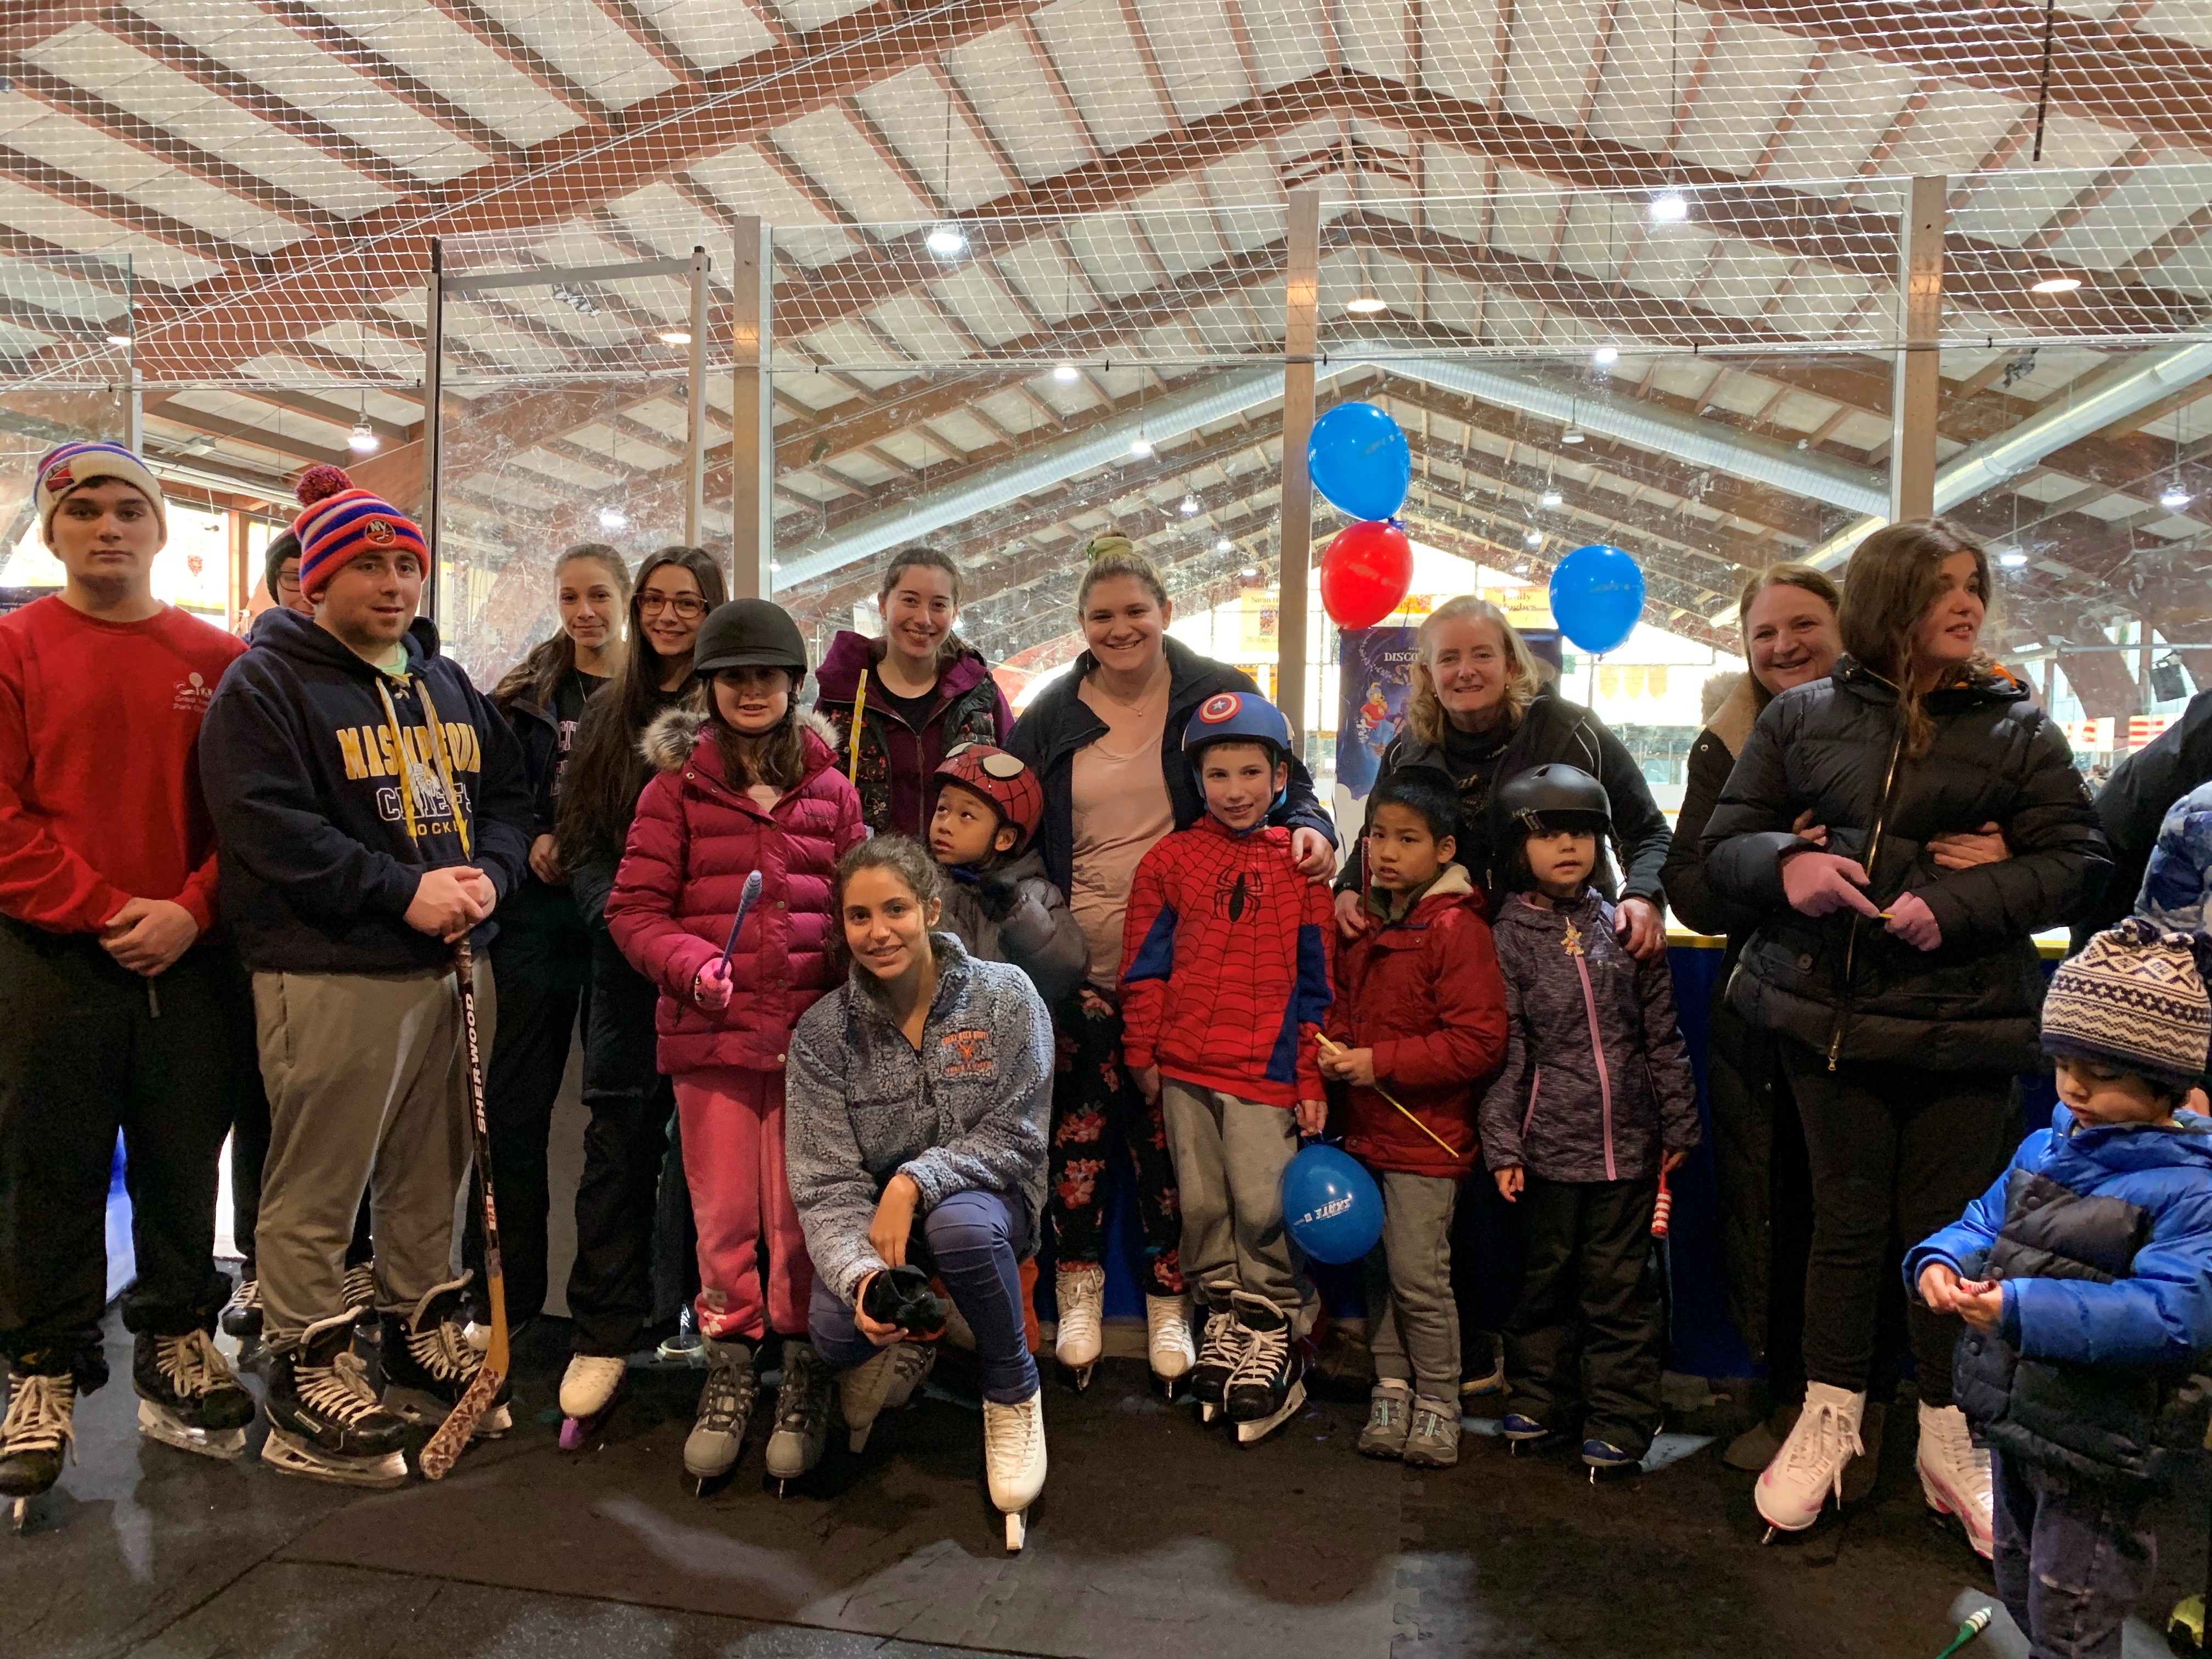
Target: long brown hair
539 674
776 757
606 774
951 647
1892 582
1788 574
1424 710
905 857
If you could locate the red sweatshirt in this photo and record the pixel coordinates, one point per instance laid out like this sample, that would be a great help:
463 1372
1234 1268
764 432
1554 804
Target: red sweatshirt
1224 964
99 799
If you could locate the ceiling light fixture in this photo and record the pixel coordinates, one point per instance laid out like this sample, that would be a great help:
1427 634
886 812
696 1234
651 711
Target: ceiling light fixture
1066 374
1141 446
1225 545
946 241
2174 496
1552 498
115 338
676 336
362 440
1669 207
1251 573
1573 435
613 518
1535 539
2012 558
1188 506
2056 285
1606 356
1367 305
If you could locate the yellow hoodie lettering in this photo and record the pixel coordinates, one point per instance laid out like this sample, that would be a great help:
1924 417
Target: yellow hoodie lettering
356 768
388 752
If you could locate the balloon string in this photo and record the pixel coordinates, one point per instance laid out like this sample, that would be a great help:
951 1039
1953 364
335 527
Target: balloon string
1322 1037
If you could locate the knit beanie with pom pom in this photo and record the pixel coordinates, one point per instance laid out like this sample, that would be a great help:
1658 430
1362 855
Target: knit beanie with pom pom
337 521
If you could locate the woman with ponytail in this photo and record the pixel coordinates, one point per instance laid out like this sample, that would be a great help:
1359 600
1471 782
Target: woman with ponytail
1106 741
901 703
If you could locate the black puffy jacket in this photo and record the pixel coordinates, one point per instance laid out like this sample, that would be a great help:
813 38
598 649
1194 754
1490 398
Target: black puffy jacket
1843 986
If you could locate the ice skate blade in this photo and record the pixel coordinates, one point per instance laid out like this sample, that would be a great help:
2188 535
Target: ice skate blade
1018 1531
1208 1411
1076 1376
19 1517
1168 1385
157 1423
294 1457
1252 1431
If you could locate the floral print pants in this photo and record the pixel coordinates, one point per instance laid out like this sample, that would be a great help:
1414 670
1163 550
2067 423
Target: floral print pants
1095 1111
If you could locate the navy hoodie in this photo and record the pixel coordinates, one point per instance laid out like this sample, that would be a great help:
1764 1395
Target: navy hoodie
319 851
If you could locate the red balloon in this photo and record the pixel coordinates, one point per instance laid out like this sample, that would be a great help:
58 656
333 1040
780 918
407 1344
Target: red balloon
1365 573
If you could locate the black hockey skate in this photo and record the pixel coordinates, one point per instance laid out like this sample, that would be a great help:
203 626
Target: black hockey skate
1221 1345
429 1362
324 1421
1267 1385
241 1315
187 1397
37 1432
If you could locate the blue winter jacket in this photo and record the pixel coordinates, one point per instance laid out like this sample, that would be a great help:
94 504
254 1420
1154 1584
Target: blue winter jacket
2101 1237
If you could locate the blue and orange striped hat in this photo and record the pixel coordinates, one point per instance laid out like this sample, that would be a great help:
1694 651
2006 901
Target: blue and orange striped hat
337 521
71 466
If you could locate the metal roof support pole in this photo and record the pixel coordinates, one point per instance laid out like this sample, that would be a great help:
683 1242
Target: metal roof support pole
434 425
1916 385
134 417
752 419
1301 331
694 424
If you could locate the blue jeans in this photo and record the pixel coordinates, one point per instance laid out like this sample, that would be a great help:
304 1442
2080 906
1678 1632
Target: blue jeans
2073 1557
972 1241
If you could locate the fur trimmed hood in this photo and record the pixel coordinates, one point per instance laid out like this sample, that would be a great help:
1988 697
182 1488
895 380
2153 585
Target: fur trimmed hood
668 742
1739 712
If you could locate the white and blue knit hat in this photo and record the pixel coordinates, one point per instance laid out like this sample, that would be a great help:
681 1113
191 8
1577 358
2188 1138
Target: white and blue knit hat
72 467
2133 998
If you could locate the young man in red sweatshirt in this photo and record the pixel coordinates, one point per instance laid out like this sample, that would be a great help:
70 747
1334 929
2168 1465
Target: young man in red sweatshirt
119 1008
1225 979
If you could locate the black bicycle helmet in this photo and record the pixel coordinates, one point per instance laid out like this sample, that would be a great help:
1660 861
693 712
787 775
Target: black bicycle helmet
1546 799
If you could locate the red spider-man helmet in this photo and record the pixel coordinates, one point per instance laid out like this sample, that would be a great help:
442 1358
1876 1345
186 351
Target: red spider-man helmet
1236 717
1000 779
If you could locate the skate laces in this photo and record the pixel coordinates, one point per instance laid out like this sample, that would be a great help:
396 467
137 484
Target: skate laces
1079 1312
1264 1352
444 1350
795 1402
1821 1443
191 1363
1224 1340
246 1298
726 1399
340 1390
39 1415
1010 1434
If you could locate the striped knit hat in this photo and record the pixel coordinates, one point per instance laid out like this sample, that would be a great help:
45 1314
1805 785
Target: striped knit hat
337 521
73 465
2134 996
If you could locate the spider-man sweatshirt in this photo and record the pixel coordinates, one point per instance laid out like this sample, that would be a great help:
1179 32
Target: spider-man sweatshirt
1225 964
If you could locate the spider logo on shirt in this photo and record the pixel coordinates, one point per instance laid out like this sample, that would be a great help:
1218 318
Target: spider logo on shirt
1238 892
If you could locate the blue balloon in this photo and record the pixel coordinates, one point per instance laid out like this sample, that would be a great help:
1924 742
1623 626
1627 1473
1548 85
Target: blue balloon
1331 1206
1359 458
1597 595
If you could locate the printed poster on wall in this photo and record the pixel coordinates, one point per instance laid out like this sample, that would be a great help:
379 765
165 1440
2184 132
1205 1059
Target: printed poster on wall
1375 682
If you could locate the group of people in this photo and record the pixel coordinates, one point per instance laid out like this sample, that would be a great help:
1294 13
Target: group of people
879 999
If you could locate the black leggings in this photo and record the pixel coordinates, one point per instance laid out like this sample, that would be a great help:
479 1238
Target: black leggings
1896 1152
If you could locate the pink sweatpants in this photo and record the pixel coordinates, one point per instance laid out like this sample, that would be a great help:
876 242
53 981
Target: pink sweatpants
733 1126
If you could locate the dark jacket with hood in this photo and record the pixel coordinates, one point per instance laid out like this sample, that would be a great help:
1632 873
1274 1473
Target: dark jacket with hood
323 833
1011 913
2101 1237
1060 722
897 761
1596 1081
1743 1071
1843 986
1552 730
2133 804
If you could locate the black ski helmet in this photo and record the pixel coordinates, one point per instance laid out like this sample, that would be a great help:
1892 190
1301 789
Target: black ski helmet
1548 799
749 634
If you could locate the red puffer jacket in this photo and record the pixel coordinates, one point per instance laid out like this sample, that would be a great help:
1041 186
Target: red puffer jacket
1424 992
691 845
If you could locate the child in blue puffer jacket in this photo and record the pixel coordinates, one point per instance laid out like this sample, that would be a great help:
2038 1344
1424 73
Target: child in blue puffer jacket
2085 1278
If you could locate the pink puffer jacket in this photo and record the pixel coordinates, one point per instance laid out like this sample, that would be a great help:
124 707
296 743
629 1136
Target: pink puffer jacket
691 846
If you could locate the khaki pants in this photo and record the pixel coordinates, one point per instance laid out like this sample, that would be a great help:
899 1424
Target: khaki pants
1412 1322
368 1083
1230 1156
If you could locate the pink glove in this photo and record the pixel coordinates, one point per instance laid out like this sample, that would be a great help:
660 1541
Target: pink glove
1911 921
711 989
1818 884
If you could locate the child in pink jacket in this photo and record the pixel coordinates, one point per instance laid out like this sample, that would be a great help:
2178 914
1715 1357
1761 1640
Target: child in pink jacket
750 786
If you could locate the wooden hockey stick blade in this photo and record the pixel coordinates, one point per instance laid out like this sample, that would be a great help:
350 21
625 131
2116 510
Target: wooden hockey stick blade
445 1447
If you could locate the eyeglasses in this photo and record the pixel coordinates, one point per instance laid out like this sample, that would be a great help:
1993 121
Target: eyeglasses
687 605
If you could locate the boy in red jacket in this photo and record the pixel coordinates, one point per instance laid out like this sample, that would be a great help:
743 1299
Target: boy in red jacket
1225 978
1420 1011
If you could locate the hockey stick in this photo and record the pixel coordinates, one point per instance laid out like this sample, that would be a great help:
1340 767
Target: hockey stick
452 1435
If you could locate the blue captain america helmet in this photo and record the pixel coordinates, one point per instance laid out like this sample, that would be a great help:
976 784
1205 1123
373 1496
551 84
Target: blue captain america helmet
1236 717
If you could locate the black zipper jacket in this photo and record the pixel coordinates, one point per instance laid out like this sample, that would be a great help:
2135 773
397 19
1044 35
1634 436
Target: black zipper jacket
1060 722
323 837
1846 986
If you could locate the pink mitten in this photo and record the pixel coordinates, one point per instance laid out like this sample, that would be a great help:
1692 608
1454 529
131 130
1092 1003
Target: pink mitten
1817 883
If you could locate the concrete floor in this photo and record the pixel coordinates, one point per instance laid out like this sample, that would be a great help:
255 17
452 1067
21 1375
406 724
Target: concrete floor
1154 1540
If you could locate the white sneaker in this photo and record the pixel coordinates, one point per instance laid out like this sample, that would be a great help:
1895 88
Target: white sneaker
1013 1452
1082 1292
1955 1474
1167 1337
1796 1486
589 1383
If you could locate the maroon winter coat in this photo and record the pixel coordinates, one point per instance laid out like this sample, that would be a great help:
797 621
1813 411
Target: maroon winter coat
1424 994
691 845
897 763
